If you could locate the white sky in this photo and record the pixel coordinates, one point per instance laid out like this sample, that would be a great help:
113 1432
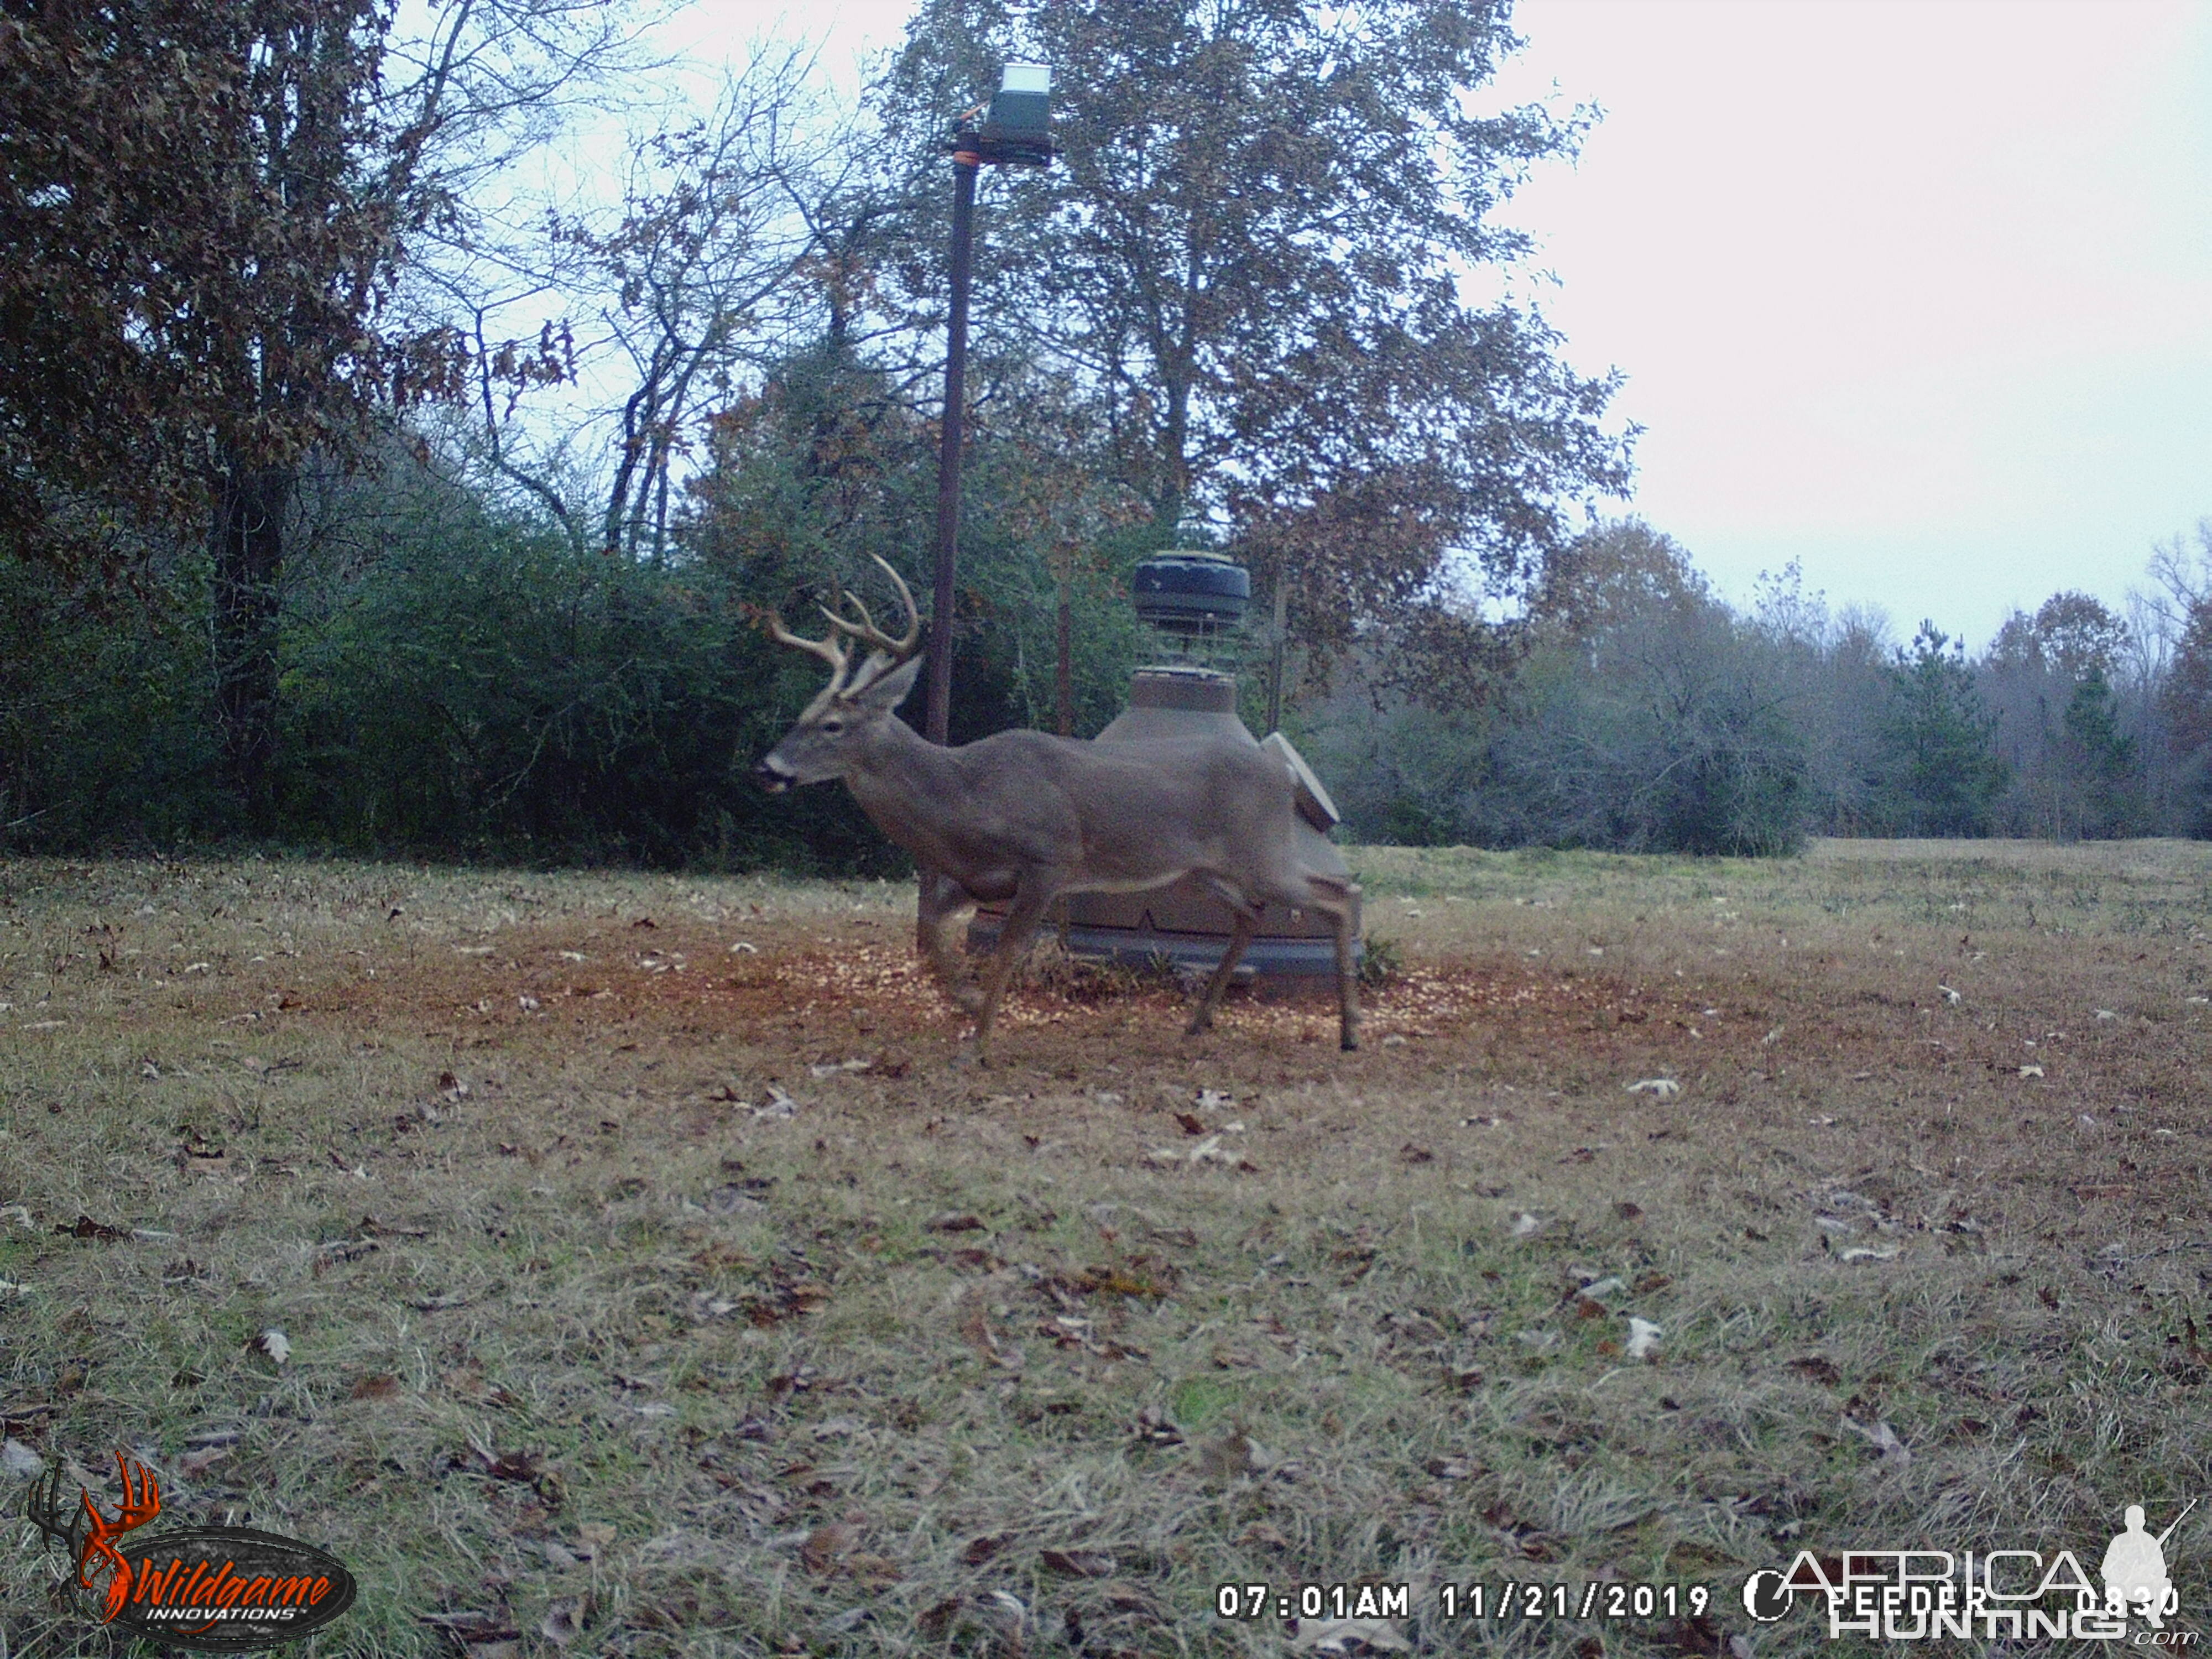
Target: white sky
1918 292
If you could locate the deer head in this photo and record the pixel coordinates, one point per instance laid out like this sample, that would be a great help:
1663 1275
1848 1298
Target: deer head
834 728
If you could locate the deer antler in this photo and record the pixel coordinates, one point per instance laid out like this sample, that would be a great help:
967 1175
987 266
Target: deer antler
828 649
141 1502
866 630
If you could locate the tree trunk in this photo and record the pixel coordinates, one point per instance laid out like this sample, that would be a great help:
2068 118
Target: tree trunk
249 564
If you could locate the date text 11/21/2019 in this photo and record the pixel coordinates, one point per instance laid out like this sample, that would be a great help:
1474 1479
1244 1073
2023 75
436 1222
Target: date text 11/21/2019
1611 1600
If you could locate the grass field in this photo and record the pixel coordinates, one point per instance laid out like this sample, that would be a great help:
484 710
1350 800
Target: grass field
654 1280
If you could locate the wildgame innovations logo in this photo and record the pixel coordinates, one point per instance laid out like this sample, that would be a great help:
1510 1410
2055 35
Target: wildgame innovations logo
2020 1595
228 1589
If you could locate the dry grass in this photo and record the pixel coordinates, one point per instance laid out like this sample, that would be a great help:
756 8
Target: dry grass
596 1348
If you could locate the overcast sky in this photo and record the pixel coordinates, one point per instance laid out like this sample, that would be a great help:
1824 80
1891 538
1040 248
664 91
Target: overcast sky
1917 292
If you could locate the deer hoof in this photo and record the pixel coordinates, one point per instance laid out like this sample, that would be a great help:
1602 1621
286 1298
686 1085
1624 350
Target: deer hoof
1350 1043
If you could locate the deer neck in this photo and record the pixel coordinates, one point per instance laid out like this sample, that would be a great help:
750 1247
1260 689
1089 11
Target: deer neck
909 787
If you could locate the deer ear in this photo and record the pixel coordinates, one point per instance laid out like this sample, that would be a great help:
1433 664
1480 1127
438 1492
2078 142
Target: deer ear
891 689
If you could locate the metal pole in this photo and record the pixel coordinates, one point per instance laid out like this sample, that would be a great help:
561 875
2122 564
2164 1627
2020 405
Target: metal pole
1275 655
948 453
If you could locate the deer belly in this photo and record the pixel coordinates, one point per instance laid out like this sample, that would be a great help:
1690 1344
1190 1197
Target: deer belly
991 886
1138 881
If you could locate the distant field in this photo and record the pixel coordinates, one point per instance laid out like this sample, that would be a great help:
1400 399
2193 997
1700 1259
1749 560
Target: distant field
658 1281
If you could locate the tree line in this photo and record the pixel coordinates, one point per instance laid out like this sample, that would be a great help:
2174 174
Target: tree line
1647 714
402 427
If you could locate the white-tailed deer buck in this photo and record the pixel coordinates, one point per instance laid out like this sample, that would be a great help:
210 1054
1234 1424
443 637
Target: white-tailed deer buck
1022 817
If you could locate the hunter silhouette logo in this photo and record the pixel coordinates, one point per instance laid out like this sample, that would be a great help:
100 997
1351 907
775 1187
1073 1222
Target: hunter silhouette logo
228 1589
2134 1570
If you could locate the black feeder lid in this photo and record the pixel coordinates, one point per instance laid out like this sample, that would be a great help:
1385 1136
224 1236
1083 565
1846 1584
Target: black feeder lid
1191 593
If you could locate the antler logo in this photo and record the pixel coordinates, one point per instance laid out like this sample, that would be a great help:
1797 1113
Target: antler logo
91 1536
227 1590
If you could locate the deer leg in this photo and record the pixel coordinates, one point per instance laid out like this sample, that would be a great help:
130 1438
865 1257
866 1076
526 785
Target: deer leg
1021 925
1240 935
938 908
1347 980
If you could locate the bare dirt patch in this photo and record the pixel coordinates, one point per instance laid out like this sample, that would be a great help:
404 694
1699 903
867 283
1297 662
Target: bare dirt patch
656 1279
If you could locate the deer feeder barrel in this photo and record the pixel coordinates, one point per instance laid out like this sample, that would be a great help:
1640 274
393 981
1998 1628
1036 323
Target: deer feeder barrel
1195 600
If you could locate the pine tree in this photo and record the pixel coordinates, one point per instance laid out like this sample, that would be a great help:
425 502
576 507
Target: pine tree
2102 757
1940 774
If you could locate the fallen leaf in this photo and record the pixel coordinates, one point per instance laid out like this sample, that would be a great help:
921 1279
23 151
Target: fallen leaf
191 1465
980 1550
1643 1338
85 1227
1079 1563
1819 1368
826 1546
516 1465
563 1621
472 1627
1338 1636
1883 1438
275 1343
1233 1454
1155 1425
1664 1088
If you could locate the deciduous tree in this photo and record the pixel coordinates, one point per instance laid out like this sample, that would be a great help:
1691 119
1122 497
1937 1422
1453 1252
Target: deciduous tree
1255 251
206 208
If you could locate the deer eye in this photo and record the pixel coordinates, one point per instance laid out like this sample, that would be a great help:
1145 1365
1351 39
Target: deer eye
833 724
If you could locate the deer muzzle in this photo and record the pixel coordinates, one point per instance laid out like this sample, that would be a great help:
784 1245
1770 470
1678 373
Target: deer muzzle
773 775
